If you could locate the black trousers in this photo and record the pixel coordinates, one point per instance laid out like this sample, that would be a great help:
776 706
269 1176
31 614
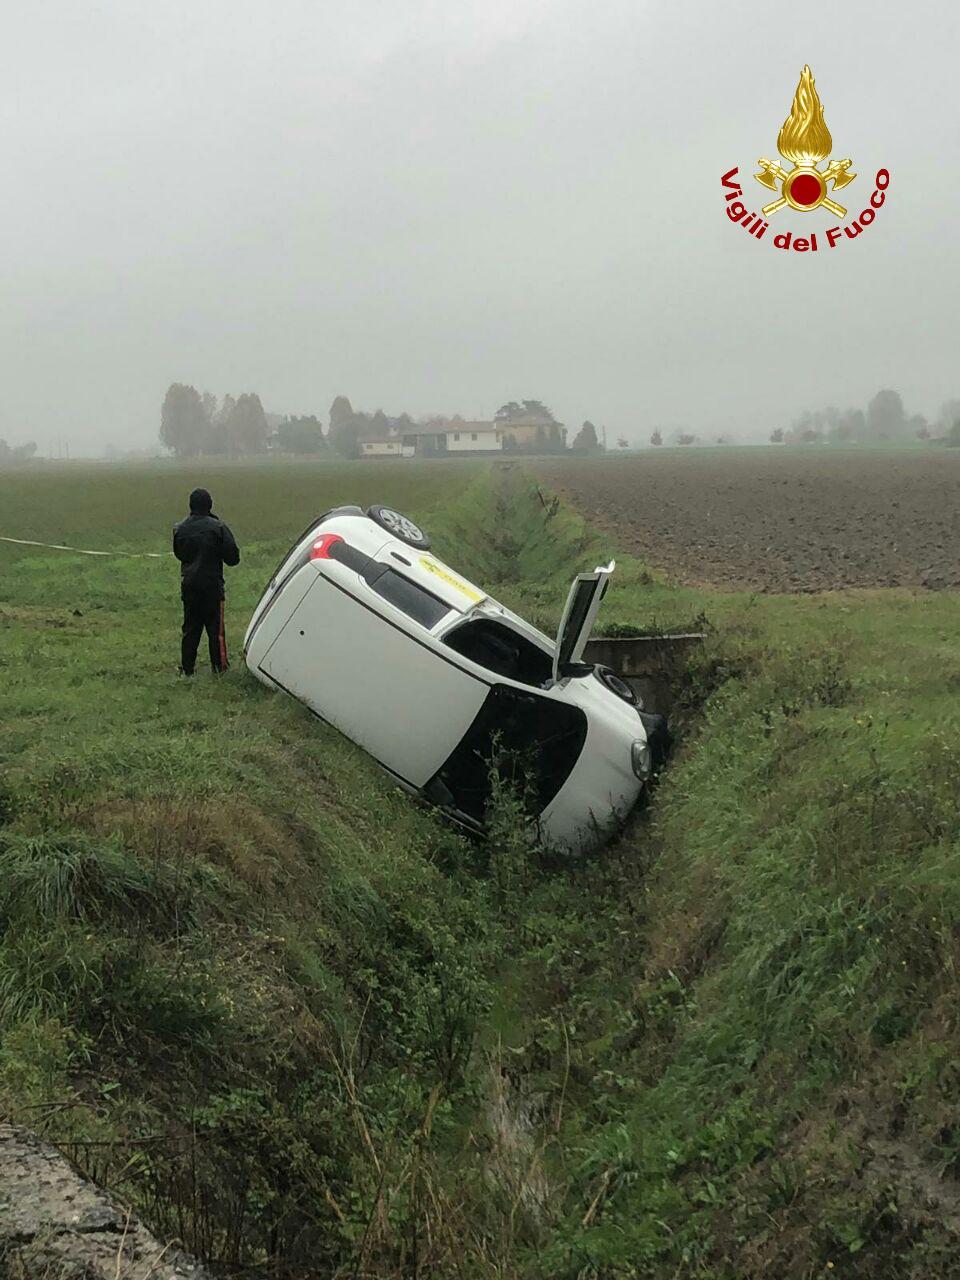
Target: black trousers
202 610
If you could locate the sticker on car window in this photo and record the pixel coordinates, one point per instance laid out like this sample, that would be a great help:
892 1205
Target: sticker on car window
440 571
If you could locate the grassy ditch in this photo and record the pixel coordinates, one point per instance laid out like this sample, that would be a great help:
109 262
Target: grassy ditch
761 1079
303 1025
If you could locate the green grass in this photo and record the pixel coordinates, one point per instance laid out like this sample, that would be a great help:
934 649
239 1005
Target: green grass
763 1057
133 507
295 1018
209 898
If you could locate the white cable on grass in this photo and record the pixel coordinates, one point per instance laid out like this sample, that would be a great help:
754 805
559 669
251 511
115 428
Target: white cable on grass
80 551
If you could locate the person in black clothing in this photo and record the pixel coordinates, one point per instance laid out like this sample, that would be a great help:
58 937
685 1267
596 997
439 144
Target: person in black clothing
203 544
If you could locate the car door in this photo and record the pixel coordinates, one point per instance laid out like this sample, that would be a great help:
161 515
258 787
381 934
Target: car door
531 739
376 675
579 614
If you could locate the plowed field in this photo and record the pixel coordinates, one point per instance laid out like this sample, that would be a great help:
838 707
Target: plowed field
778 520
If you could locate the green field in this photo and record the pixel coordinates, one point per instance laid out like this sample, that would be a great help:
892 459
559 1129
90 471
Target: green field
305 1027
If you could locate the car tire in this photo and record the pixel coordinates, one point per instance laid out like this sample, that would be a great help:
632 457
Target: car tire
400 526
616 684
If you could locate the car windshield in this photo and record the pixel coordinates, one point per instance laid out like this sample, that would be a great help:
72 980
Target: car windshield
501 649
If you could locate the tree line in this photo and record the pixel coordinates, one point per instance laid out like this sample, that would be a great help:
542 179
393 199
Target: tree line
680 437
16 452
194 422
884 418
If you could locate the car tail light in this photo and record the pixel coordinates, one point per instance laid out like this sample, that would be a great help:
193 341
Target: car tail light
321 548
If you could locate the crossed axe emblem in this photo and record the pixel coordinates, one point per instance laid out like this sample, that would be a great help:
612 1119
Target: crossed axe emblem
804 187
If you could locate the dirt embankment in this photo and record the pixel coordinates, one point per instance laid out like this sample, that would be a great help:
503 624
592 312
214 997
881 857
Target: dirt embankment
775 520
55 1225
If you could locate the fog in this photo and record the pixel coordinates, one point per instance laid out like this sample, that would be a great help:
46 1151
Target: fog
436 207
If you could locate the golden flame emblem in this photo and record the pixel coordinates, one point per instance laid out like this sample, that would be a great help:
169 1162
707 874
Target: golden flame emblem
805 140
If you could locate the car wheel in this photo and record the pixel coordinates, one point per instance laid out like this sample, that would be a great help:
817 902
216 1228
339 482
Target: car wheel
400 526
610 680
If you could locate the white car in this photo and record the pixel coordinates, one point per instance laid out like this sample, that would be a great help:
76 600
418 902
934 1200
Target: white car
435 679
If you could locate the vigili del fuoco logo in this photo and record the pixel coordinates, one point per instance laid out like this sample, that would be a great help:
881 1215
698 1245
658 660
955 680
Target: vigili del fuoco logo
804 141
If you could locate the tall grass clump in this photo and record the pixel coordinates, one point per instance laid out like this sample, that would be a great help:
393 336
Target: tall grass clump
74 875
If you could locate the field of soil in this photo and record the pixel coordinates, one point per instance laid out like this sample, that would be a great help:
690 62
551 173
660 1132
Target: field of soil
778 520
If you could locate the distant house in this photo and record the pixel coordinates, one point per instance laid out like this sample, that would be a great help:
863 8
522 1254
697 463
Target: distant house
530 431
386 448
473 437
443 436
437 438
426 441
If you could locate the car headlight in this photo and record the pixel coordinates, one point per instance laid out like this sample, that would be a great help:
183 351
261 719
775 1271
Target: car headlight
641 757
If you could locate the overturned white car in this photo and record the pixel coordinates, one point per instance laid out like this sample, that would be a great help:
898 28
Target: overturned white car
435 679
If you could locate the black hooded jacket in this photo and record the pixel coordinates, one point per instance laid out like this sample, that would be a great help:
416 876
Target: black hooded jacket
203 544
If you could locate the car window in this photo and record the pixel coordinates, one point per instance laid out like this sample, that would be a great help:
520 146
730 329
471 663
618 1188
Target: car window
500 649
416 603
532 739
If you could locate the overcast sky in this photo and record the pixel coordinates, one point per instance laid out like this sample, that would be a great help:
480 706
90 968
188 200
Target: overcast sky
438 205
